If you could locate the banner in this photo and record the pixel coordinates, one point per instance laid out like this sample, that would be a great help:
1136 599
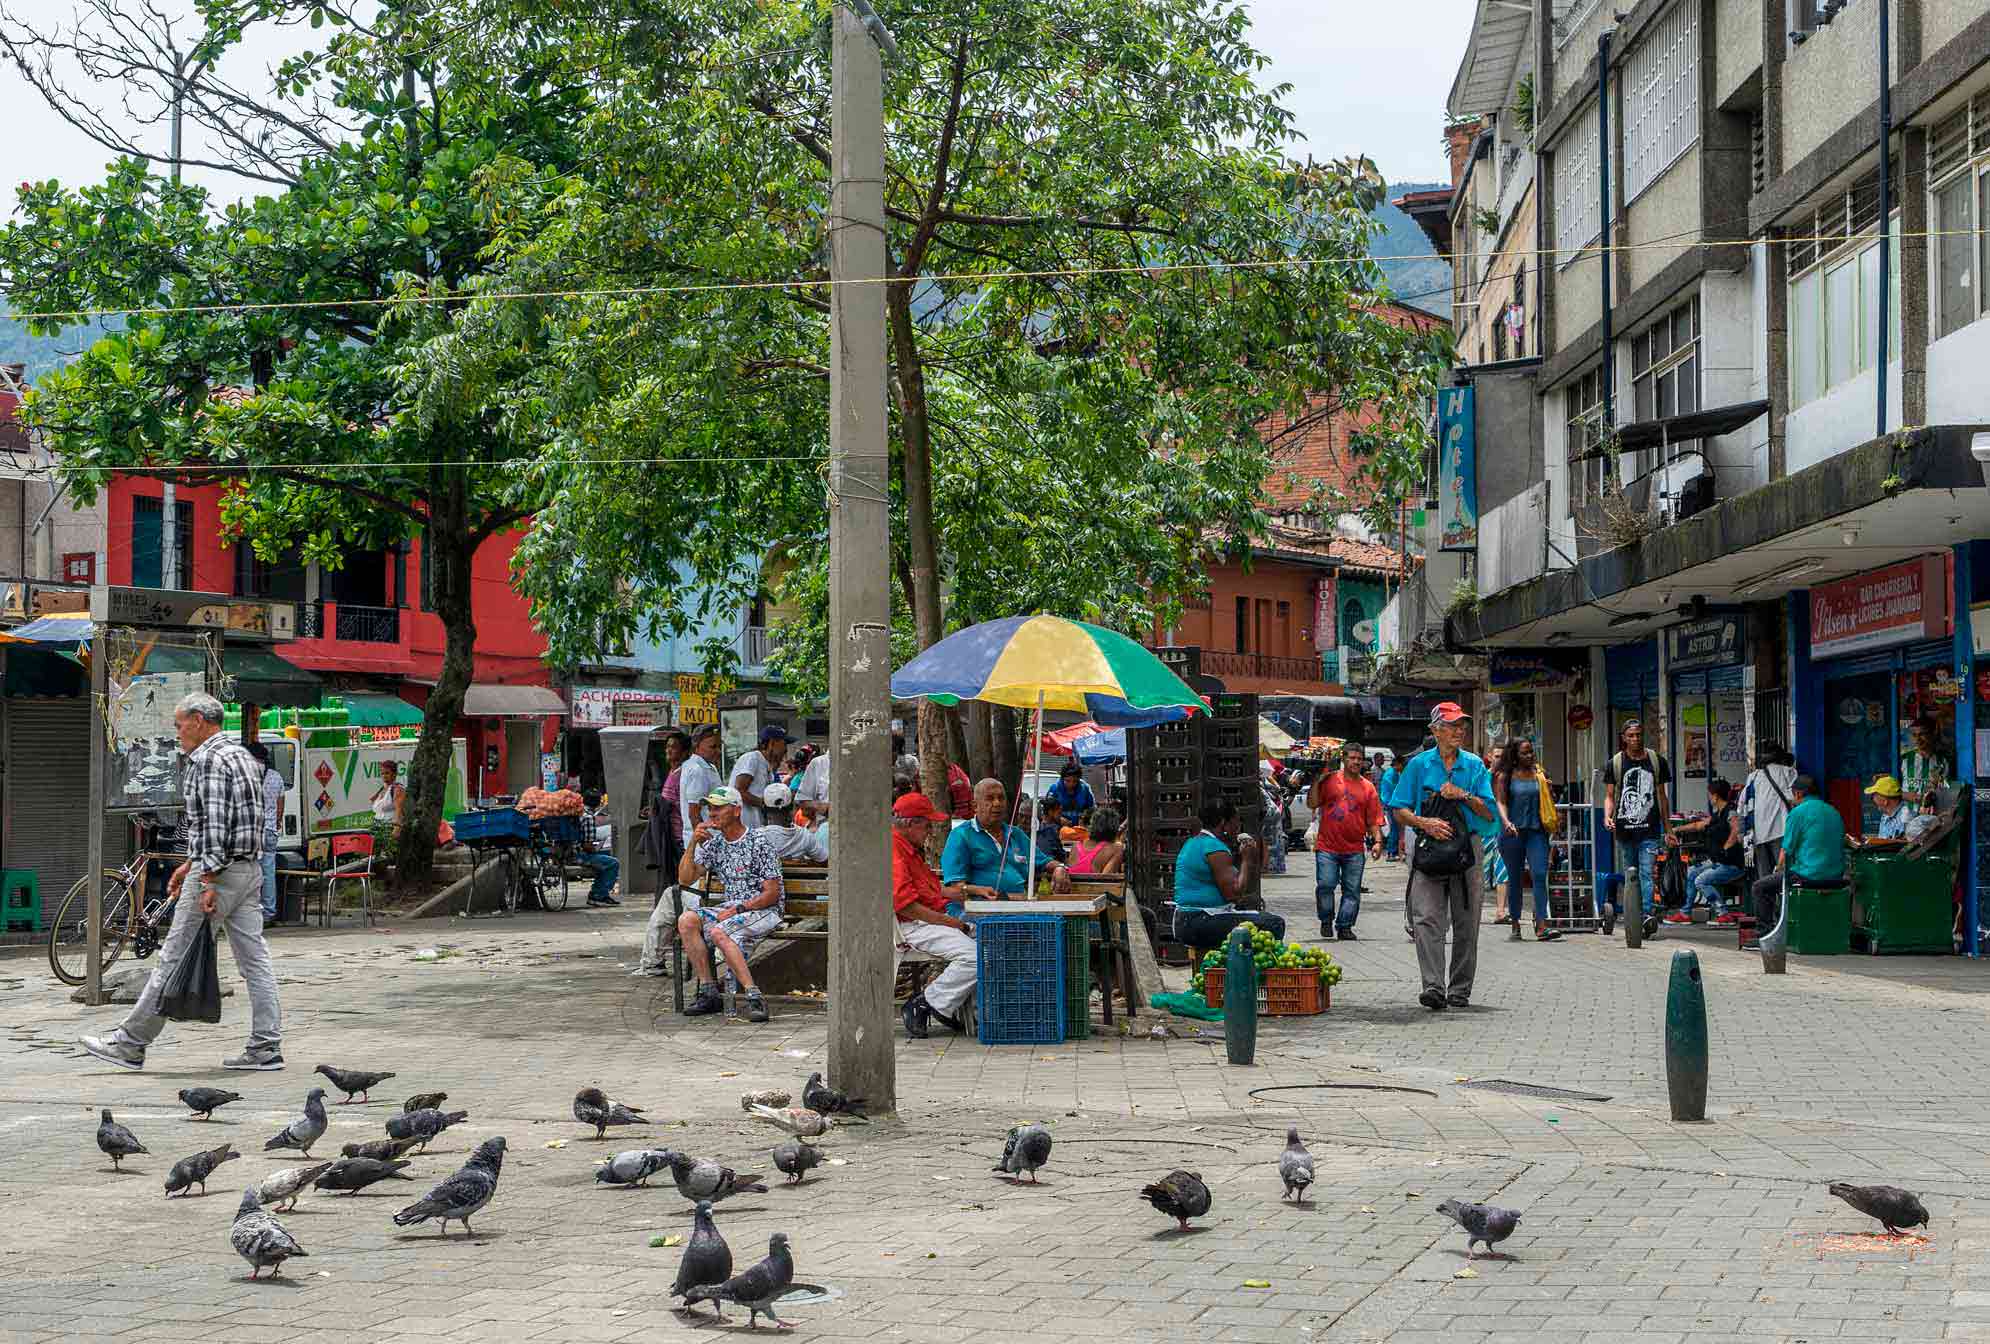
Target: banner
1326 621
1457 472
1896 605
1529 672
595 706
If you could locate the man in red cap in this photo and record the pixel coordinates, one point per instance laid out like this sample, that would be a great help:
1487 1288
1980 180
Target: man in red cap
1446 889
919 900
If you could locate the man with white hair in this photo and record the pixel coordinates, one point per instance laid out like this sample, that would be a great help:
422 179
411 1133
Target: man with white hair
223 879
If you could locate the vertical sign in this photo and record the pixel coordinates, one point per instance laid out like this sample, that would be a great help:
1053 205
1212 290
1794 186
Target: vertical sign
1324 622
1457 472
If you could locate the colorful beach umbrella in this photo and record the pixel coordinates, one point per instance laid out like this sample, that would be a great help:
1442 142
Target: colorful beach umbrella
1048 662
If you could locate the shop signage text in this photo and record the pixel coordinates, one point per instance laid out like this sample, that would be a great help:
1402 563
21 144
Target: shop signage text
1529 672
1457 471
594 706
1895 605
1719 641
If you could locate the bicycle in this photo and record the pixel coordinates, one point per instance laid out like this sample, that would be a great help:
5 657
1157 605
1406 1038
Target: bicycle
141 921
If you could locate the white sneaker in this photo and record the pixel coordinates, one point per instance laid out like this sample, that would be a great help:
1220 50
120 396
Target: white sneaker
124 1056
264 1062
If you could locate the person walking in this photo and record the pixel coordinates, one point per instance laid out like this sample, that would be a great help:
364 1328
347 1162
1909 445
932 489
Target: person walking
1348 812
1527 818
1385 785
1441 791
222 878
1765 805
272 806
1637 787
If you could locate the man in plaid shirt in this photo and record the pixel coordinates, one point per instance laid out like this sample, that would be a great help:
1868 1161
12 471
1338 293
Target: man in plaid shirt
221 878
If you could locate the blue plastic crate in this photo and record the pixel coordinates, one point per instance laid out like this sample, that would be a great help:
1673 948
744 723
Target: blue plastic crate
1019 987
492 824
559 830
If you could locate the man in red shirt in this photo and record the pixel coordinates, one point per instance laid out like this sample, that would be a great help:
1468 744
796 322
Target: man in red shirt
1350 824
919 901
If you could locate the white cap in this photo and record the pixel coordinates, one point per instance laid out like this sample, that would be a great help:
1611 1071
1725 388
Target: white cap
777 795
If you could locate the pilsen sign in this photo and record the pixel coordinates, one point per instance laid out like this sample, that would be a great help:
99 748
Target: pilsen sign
1896 605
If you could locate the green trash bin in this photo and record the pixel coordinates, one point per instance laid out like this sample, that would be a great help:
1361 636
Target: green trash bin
1902 905
1820 921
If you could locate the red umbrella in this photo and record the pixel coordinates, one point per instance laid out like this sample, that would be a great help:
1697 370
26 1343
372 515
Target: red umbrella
1061 741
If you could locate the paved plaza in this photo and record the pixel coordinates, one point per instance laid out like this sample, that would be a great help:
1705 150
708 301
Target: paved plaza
1634 1227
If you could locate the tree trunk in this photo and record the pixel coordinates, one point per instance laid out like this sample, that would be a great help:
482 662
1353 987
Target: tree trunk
448 540
1004 762
957 736
921 541
980 745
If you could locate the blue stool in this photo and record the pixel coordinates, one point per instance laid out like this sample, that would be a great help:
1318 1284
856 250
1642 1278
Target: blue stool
20 900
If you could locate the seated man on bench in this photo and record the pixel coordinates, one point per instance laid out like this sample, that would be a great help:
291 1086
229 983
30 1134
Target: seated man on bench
1813 850
751 894
919 901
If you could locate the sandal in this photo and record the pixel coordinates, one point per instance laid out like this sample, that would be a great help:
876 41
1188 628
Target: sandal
1514 937
1544 934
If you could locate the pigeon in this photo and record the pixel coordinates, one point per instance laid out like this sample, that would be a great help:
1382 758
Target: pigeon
424 1101
707 1259
632 1168
1894 1207
351 1081
204 1101
423 1126
191 1171
592 1107
1482 1222
304 1131
1027 1149
795 1158
457 1198
701 1178
1180 1194
768 1096
796 1120
280 1189
828 1100
381 1150
354 1174
1295 1167
758 1288
116 1140
260 1239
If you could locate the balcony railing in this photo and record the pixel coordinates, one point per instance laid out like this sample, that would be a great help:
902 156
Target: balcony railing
366 625
756 645
1223 663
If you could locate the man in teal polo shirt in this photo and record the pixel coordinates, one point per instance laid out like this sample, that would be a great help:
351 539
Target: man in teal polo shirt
988 858
1446 770
1813 845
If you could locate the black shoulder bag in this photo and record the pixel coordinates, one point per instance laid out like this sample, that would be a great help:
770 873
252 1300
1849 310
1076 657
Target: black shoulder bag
1448 857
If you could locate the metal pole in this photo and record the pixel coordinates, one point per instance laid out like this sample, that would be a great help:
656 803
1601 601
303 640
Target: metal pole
1885 203
1603 250
93 982
861 933
179 99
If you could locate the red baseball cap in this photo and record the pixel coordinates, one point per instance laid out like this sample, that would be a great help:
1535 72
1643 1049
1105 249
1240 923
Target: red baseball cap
917 806
1447 711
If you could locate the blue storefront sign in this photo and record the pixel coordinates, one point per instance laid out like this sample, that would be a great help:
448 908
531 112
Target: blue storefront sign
1457 472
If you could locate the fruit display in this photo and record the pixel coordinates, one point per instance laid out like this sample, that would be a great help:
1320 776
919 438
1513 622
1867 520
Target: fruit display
1269 952
538 804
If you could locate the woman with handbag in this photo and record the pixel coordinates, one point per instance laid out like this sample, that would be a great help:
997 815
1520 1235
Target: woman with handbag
1526 819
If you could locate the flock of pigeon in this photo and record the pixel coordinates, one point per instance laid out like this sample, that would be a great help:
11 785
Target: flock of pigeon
705 1272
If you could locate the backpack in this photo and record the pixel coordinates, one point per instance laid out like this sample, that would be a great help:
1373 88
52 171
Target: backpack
1444 858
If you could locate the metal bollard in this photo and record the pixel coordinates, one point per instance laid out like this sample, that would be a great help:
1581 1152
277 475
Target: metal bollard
1686 1038
1775 944
1240 997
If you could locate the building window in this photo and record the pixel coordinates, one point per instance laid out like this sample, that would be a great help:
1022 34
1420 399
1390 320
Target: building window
1661 98
1833 262
1569 16
1578 213
427 578
1583 403
149 555
1243 625
1959 205
1665 364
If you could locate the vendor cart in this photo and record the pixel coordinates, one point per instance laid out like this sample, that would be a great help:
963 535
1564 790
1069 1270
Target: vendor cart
1572 870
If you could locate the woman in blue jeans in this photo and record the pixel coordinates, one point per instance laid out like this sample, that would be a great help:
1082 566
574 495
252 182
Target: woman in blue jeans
1520 787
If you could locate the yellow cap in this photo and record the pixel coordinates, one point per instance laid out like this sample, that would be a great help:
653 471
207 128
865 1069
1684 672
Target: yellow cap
1886 786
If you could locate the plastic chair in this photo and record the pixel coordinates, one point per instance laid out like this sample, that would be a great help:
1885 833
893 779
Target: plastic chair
20 900
352 861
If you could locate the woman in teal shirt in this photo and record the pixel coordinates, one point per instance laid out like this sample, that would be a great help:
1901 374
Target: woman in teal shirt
1209 882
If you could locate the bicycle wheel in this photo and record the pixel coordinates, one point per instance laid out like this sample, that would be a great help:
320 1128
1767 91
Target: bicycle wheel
69 935
552 880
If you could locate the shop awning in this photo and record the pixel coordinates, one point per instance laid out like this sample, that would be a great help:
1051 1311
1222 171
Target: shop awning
487 700
1635 438
381 711
262 677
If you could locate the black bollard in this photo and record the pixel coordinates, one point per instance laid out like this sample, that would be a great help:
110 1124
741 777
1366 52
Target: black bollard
1240 997
1686 1038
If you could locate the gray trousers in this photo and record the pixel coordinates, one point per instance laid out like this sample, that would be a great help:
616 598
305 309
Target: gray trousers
238 907
661 930
1455 903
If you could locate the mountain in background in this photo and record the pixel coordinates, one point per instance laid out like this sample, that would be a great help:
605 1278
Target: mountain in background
1420 280
42 353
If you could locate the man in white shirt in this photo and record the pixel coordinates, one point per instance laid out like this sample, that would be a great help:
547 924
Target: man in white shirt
806 841
1765 797
698 776
813 786
753 772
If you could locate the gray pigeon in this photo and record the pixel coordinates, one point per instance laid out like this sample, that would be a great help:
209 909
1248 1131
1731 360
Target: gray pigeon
632 1168
1180 1194
828 1100
1295 1167
1894 1207
707 1260
354 1174
306 1130
457 1198
799 1121
795 1159
1482 1222
381 1150
701 1178
191 1171
279 1189
424 1101
260 1239
758 1288
353 1082
1027 1149
592 1106
116 1140
423 1126
204 1101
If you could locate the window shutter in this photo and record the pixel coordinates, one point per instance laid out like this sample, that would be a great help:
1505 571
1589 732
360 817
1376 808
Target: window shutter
147 533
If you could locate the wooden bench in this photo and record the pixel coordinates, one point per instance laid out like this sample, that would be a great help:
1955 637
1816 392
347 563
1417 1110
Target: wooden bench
804 918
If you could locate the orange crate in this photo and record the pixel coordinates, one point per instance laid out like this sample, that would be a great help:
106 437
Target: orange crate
1289 991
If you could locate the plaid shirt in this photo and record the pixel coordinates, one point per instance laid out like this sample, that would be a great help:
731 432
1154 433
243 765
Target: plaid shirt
224 796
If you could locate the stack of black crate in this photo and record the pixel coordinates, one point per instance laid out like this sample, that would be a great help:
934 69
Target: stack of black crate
1172 771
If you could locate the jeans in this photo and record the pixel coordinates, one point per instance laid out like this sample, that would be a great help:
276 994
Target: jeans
1528 850
1637 856
1343 871
269 879
239 909
1204 929
1708 878
1393 846
606 869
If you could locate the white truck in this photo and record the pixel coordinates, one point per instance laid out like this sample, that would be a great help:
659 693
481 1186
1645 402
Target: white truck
329 780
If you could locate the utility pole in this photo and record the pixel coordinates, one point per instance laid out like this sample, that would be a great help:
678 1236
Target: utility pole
862 1043
1885 209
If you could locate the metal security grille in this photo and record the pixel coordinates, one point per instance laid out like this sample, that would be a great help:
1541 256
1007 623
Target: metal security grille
1578 216
1532 1090
48 771
1661 98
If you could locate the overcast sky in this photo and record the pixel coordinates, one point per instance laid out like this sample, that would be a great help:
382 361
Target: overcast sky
1367 78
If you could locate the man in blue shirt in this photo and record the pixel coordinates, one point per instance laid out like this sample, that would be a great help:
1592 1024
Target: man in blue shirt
988 858
1435 902
1385 784
1072 793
